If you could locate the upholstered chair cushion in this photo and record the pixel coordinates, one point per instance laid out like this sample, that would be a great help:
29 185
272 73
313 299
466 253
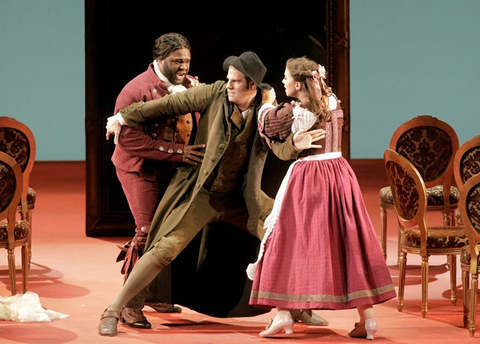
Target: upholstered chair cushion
31 198
434 195
437 238
22 229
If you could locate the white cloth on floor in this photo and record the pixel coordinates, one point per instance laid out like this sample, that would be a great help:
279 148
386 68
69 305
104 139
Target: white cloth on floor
26 308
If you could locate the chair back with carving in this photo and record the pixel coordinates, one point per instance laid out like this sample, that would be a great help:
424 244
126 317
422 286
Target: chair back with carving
409 192
13 232
430 145
466 164
470 213
467 161
410 202
17 140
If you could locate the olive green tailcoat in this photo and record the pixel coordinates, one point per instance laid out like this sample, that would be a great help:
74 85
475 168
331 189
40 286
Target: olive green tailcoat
214 131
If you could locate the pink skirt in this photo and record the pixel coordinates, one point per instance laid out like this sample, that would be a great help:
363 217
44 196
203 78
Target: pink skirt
323 252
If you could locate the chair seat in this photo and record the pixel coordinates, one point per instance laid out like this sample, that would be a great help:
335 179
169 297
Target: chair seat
438 238
22 230
434 196
31 198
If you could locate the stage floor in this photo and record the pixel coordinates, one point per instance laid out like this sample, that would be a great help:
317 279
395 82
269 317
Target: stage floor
78 276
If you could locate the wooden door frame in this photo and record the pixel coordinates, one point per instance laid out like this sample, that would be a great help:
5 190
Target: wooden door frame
102 217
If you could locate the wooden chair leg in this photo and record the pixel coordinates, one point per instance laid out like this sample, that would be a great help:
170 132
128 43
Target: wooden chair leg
25 266
383 220
400 235
11 271
452 261
402 264
473 304
29 219
466 289
424 286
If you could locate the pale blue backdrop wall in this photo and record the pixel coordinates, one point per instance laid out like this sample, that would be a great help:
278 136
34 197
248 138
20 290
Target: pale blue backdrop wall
408 57
42 73
411 57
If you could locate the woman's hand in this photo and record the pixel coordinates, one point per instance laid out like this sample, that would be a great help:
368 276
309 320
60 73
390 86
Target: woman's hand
303 139
113 127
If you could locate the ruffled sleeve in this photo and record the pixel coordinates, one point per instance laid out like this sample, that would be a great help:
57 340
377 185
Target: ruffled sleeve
302 119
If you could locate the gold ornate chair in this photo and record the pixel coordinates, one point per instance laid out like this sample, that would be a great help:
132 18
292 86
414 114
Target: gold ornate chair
17 140
465 165
410 203
430 144
469 259
13 232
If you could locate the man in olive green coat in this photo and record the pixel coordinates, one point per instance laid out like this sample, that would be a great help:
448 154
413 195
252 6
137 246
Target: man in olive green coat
224 186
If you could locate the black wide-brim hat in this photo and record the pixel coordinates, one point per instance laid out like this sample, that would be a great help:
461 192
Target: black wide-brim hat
250 65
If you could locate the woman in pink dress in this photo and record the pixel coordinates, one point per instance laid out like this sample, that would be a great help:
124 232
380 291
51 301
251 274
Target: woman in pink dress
320 250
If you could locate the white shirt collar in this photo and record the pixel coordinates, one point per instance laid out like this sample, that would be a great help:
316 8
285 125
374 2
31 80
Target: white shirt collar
160 75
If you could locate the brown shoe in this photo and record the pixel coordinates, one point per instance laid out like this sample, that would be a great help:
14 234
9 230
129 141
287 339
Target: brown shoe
134 318
161 307
307 317
108 323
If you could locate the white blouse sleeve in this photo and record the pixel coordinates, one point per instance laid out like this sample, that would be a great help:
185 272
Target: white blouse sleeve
302 119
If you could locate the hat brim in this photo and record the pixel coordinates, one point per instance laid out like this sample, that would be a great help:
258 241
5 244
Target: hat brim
236 62
264 86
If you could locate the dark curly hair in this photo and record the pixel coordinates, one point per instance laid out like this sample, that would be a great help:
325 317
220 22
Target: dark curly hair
168 43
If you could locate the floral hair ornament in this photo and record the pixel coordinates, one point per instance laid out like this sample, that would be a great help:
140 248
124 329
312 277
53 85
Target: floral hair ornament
322 71
319 79
319 74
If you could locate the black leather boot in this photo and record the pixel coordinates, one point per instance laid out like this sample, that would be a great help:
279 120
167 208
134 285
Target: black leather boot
134 318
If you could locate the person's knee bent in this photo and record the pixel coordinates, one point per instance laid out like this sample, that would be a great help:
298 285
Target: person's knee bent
166 250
